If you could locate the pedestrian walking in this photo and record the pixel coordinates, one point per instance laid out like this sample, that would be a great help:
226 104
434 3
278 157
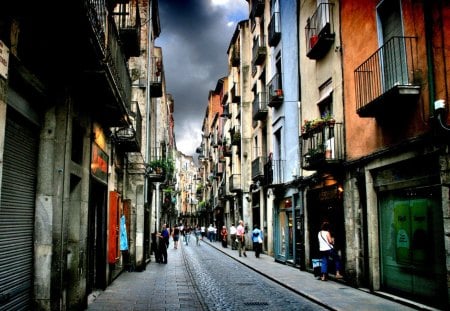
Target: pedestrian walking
198 235
233 236
327 250
175 236
240 236
210 232
257 239
203 231
163 244
187 234
224 236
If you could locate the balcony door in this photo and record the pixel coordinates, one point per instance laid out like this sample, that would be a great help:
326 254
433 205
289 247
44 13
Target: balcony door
393 55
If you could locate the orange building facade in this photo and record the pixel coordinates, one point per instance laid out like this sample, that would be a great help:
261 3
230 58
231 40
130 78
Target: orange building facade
396 94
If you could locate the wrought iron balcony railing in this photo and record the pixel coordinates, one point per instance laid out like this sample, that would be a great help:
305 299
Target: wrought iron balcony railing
258 168
235 93
260 109
275 88
235 183
274 29
128 20
259 51
274 172
319 31
236 135
235 57
156 71
387 80
106 42
323 146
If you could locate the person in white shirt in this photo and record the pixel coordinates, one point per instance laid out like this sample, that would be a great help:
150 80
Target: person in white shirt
327 250
233 236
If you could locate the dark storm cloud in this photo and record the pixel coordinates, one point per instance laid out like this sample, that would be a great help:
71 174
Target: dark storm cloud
195 35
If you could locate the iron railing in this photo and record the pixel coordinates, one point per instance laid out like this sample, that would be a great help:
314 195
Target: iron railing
322 146
393 65
274 29
260 109
275 88
259 50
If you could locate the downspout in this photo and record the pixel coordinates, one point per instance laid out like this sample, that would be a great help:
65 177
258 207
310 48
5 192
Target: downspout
147 204
437 107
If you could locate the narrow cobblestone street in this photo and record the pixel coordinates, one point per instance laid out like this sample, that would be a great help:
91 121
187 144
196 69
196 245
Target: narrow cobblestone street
210 277
197 278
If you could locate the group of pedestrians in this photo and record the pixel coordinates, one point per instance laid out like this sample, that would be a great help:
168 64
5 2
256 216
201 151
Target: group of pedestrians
185 232
238 238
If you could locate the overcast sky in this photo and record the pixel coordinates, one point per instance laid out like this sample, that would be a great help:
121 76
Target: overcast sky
195 35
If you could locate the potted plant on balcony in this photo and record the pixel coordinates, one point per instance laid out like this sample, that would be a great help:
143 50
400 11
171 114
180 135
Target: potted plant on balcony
315 155
236 138
160 167
329 120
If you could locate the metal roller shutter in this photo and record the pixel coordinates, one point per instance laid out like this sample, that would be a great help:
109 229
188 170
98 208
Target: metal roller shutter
17 205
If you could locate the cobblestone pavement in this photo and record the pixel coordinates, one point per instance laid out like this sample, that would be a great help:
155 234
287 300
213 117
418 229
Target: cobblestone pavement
225 284
335 295
197 278
209 277
160 287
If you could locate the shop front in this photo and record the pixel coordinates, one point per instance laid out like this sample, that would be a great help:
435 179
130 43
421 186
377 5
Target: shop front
411 234
325 203
288 242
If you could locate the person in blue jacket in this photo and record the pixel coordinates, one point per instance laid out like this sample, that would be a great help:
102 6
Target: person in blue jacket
257 239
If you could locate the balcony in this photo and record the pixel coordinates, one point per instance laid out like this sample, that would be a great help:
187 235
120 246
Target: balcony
387 81
319 31
235 56
235 93
236 135
156 77
258 168
259 51
323 146
127 18
129 138
218 169
257 8
235 183
274 173
274 29
105 78
275 91
226 149
260 109
157 169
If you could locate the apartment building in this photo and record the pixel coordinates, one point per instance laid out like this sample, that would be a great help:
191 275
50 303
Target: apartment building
396 178
74 141
350 128
321 123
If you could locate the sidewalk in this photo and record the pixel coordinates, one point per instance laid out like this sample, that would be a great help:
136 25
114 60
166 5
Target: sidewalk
334 295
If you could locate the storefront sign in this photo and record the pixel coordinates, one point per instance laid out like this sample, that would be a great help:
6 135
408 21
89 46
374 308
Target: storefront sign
4 60
99 163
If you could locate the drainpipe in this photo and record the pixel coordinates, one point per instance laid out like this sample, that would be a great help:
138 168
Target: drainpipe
437 106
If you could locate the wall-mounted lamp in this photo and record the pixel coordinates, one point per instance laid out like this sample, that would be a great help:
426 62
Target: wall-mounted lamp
440 111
